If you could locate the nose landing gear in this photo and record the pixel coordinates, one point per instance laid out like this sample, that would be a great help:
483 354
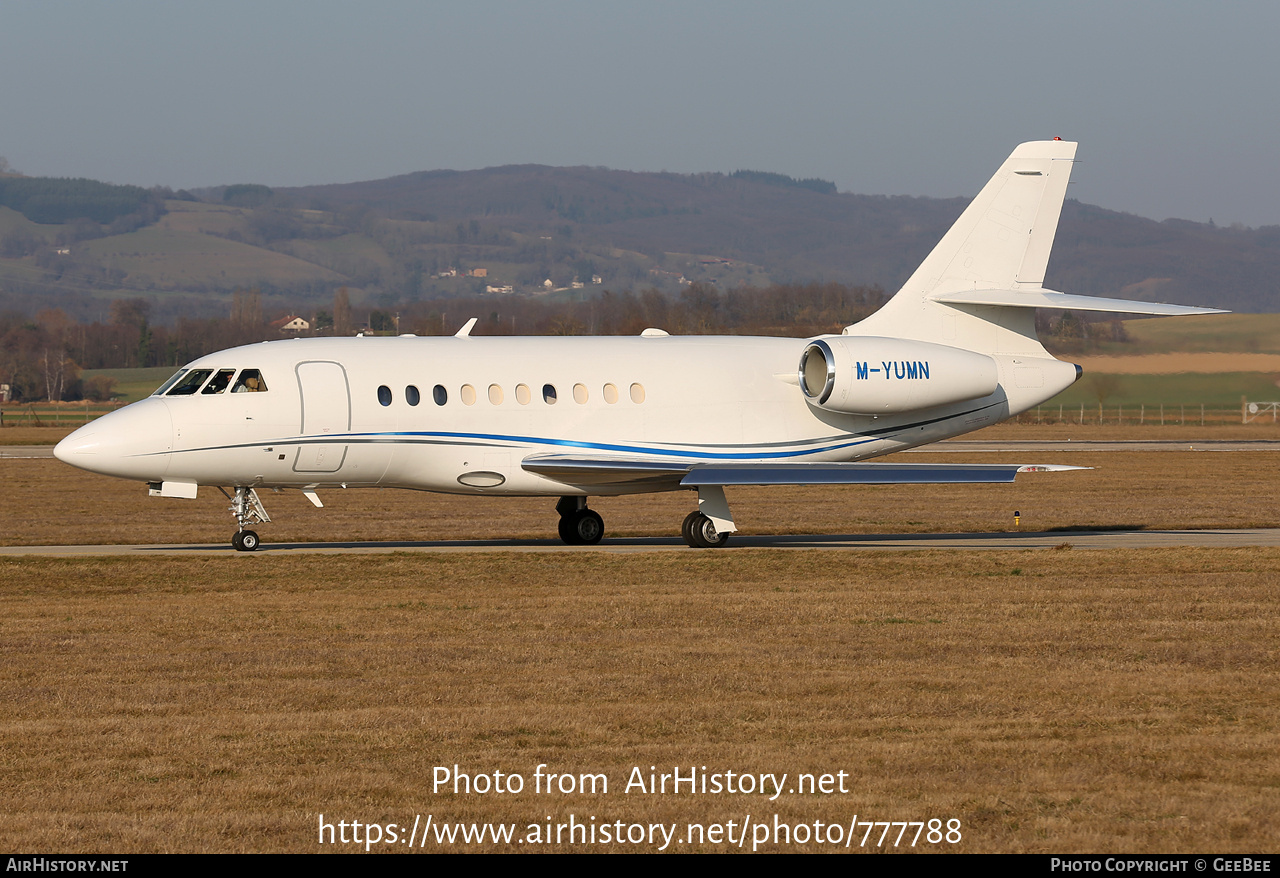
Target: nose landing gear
248 510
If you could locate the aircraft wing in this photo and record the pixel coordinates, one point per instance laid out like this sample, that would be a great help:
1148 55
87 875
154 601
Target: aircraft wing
587 471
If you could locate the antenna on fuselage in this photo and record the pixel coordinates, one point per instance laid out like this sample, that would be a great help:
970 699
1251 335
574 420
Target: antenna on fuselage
465 331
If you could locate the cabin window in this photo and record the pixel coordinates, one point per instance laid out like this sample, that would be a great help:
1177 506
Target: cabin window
637 393
219 382
172 381
439 394
549 394
250 381
610 394
468 395
522 394
412 396
580 393
384 395
191 383
495 394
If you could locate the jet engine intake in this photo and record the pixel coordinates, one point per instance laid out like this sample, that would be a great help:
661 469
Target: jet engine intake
872 376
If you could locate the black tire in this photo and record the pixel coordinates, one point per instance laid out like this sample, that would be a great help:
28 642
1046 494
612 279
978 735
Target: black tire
248 541
235 541
704 534
588 527
686 528
565 528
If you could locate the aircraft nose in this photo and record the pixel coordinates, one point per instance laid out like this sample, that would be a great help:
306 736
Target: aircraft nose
82 441
132 443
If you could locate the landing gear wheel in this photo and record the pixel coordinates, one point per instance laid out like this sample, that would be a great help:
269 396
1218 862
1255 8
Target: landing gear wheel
247 509
588 527
583 527
700 533
686 529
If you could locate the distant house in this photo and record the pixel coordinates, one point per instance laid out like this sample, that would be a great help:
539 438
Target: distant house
547 284
490 288
479 272
292 323
597 279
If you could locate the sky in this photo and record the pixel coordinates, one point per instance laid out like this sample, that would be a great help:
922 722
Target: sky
1174 104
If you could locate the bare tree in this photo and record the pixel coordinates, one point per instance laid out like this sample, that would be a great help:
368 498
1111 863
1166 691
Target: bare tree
341 312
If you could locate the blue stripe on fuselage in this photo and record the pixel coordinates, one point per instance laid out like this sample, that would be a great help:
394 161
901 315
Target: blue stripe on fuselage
428 437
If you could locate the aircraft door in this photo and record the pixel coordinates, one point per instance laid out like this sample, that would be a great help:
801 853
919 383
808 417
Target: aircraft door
326 409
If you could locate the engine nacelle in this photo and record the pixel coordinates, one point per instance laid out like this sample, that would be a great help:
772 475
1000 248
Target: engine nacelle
873 376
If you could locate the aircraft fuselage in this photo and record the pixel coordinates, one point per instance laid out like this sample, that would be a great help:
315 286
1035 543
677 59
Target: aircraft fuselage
460 415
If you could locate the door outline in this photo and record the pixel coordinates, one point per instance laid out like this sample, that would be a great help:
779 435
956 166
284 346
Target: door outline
318 382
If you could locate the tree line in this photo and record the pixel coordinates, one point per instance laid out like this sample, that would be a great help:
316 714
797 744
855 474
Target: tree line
58 200
42 358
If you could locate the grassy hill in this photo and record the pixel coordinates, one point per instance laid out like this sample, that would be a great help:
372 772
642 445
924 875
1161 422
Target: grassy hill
442 234
1236 333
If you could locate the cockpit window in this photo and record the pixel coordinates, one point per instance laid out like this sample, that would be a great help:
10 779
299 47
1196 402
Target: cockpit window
190 383
250 381
219 382
172 381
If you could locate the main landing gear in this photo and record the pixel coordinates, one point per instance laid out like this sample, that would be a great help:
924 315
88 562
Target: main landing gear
707 527
700 532
579 526
248 510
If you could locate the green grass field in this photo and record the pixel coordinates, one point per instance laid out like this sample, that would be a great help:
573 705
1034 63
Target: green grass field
133 384
1245 333
1218 390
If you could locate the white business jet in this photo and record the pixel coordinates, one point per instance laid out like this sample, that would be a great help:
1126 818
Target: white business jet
955 350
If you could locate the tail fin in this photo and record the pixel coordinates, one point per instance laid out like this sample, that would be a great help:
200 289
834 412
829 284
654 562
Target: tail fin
979 286
1001 241
1003 238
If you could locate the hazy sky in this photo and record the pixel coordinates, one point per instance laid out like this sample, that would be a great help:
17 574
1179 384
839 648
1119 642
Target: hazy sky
1176 104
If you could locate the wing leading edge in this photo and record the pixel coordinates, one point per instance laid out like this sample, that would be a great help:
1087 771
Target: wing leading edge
626 472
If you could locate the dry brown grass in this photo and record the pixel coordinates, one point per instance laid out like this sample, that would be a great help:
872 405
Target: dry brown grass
34 435
46 502
1051 700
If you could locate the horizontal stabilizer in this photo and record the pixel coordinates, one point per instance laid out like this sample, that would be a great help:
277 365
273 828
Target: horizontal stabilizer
1067 302
597 471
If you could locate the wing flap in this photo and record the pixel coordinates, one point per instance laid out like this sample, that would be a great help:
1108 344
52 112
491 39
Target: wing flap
857 473
588 471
